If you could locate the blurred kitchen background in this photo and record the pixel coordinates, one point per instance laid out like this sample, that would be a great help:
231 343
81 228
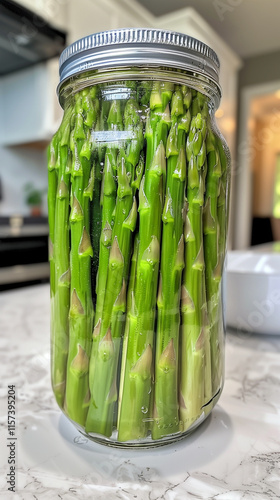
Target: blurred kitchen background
244 33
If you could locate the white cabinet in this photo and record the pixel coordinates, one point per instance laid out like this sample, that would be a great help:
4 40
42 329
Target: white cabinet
30 111
89 16
189 22
53 11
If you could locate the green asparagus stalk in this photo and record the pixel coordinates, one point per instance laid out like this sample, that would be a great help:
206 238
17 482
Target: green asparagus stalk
172 263
223 199
108 201
81 308
208 393
110 118
52 188
60 332
131 319
158 119
222 212
104 389
192 342
214 237
111 114
137 379
135 393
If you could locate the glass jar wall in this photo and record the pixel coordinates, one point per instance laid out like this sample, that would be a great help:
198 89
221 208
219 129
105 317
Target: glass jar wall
138 199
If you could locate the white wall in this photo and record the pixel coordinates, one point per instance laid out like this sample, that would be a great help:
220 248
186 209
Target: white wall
18 166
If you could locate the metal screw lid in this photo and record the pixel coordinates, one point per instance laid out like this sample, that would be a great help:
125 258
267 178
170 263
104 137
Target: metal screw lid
134 47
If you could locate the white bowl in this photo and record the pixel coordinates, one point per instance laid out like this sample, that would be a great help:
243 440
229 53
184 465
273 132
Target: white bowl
252 288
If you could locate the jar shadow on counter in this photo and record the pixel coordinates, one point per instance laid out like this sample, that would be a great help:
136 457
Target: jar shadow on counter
205 443
51 445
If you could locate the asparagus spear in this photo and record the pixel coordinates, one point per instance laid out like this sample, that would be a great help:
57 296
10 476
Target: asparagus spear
81 309
96 206
215 231
192 342
108 201
137 378
134 403
111 114
57 169
158 119
62 272
95 223
222 212
130 318
52 188
104 389
172 263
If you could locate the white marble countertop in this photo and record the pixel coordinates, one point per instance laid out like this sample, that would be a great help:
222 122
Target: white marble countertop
234 455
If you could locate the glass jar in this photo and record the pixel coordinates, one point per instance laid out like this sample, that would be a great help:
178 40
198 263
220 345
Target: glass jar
138 211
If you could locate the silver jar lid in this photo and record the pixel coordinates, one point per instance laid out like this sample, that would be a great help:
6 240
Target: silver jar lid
138 47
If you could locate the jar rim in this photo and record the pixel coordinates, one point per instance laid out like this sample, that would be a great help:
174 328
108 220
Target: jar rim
139 47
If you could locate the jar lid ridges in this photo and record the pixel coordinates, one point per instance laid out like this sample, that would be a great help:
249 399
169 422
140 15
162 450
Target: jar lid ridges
91 52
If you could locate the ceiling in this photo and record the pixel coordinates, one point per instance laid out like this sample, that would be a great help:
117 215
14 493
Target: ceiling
250 27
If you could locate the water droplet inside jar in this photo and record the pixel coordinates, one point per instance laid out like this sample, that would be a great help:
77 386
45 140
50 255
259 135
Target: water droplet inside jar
144 409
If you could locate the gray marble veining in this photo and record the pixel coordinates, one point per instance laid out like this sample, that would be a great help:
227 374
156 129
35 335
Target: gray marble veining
233 455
